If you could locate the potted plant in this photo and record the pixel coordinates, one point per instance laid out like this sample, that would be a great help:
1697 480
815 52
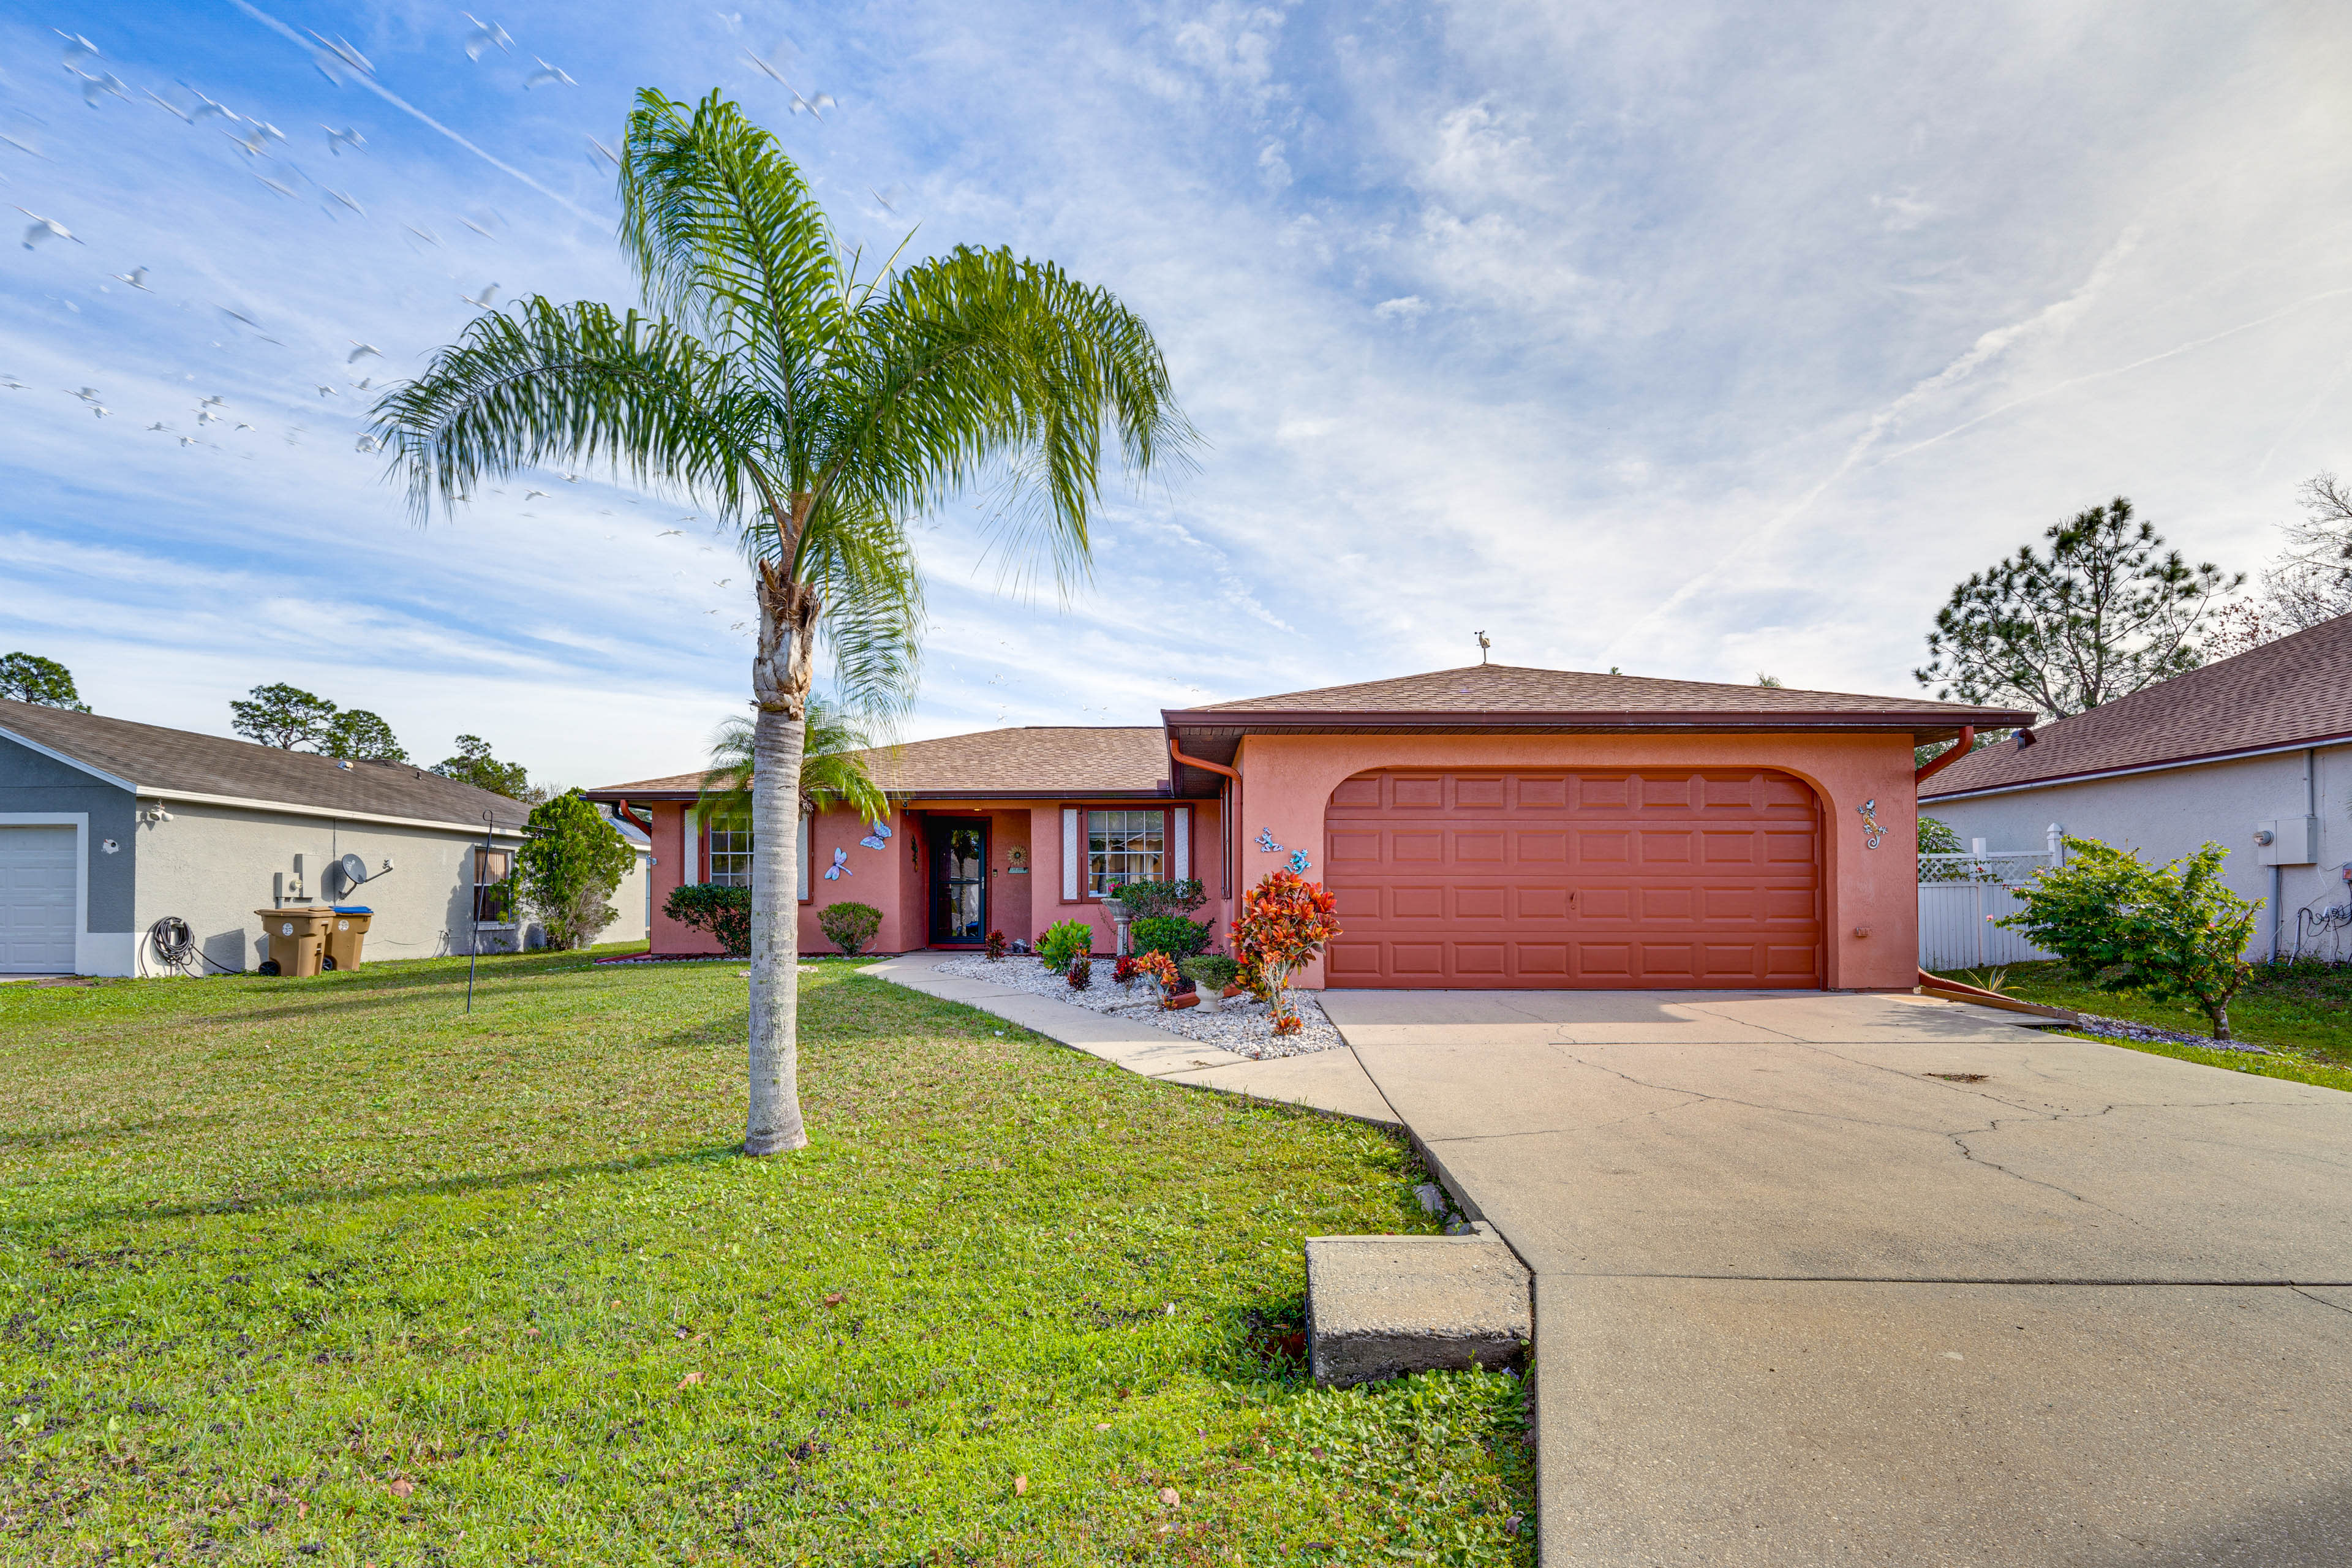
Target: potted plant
1211 973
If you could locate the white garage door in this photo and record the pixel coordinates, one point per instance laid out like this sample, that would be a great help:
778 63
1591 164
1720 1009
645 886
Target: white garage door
36 900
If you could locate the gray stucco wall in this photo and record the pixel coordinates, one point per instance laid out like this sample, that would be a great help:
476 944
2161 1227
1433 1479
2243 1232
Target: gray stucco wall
2171 813
30 782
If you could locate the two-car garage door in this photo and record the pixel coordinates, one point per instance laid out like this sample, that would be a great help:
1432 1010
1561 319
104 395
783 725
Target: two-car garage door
36 900
1633 877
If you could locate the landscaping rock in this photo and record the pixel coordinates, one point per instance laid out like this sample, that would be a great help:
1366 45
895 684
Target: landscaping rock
1382 1306
1242 1025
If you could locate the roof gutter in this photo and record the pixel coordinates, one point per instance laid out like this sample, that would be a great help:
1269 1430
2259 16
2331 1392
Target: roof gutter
1229 802
1603 722
1937 765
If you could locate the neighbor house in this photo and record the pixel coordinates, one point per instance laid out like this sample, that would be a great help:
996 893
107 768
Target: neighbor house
1489 826
2254 754
107 827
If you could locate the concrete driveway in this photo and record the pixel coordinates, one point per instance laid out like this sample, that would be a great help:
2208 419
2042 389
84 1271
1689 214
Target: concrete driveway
1876 1279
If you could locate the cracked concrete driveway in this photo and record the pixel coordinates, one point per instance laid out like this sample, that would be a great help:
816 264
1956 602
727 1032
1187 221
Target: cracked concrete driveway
1876 1279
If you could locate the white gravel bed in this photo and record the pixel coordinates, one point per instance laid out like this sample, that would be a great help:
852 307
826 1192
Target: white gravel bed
1241 1025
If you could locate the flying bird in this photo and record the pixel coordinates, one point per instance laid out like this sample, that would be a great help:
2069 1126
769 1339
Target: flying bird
159 424
483 303
345 200
206 106
339 140
76 46
101 409
333 53
812 105
86 394
421 234
364 383
367 444
888 205
239 316
209 415
94 88
12 384
252 141
478 228
241 425
326 391
736 627
485 37
552 75
216 401
572 479
175 108
187 440
136 277
530 496
773 72
666 532
44 228
287 191
360 351
606 152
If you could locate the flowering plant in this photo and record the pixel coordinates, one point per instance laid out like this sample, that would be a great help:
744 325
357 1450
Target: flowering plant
1283 923
1161 970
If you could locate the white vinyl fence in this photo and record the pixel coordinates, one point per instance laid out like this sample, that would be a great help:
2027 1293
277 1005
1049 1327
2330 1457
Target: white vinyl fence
1960 896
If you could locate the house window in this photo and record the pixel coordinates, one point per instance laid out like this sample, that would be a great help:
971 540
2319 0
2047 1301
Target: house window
493 890
731 851
1124 846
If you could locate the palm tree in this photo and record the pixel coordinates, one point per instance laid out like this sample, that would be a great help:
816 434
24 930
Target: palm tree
833 769
817 413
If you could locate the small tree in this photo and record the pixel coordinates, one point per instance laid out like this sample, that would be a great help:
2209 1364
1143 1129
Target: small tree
1284 924
2173 933
719 910
571 862
474 764
849 926
29 677
362 737
282 716
2106 612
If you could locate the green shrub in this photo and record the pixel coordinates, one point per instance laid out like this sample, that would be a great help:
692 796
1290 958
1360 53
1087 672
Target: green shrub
1064 940
570 865
849 926
2172 934
1174 935
1145 899
723 911
1211 972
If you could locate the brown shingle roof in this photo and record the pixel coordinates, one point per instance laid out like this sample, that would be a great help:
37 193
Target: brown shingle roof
1500 688
152 758
1042 760
2294 691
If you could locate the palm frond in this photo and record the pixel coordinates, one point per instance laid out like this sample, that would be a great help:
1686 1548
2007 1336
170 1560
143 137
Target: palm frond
979 358
833 767
724 232
542 382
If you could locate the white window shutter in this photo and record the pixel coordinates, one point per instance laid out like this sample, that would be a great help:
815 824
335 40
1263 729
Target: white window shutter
1070 852
808 827
1183 831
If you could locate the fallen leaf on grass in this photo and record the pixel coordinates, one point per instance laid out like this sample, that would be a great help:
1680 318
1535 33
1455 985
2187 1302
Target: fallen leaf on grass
689 1379
1167 1496
834 1299
1020 1485
401 1486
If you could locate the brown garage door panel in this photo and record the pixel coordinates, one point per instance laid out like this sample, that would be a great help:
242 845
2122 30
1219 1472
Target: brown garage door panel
1631 877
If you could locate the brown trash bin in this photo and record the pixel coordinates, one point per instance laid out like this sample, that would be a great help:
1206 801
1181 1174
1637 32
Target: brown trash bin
345 935
297 936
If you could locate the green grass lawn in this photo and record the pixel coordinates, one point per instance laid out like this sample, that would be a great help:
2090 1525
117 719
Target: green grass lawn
2301 1013
323 1272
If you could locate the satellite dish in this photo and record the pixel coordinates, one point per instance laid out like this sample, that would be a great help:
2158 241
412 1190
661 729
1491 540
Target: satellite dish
354 871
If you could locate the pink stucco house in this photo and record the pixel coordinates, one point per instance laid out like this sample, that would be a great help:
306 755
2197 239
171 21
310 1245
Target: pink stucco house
1488 827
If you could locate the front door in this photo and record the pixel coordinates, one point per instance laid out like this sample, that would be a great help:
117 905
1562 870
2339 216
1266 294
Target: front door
959 884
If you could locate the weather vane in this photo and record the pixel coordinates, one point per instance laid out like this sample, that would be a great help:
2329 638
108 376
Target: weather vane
1482 645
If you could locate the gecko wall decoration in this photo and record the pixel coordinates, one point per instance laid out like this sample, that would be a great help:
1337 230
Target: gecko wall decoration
1872 832
1266 844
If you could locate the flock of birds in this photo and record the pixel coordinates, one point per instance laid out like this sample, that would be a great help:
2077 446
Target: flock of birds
267 152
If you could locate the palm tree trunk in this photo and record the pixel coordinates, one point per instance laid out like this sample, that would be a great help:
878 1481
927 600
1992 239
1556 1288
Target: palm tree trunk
781 674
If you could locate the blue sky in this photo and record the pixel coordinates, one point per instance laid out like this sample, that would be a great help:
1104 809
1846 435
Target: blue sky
1696 339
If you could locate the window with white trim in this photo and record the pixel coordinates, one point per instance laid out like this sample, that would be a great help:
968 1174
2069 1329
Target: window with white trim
1125 847
731 851
493 887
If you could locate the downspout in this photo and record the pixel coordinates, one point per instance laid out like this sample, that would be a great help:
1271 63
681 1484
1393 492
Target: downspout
1228 805
1943 760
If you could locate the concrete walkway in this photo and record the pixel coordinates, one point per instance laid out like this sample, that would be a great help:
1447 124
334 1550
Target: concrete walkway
1328 1081
1878 1279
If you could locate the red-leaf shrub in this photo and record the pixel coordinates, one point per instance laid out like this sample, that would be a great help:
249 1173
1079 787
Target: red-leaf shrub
1283 923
